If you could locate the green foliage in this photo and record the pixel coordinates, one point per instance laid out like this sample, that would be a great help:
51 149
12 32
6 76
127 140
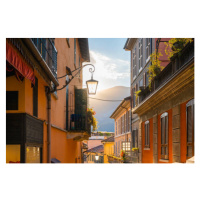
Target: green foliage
92 121
137 94
155 68
175 45
101 134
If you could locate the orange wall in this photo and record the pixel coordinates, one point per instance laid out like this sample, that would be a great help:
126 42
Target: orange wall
12 84
65 150
72 149
170 137
147 154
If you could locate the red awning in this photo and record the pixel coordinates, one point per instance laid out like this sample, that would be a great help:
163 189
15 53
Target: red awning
16 60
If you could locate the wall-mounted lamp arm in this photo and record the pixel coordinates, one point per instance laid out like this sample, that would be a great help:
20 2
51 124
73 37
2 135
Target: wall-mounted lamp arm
67 83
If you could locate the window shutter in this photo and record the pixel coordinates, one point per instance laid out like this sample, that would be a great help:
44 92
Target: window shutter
35 98
190 128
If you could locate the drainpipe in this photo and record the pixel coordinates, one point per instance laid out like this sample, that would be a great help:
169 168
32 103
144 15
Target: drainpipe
48 94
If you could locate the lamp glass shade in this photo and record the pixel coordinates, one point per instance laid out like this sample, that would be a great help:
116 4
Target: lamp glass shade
96 157
92 86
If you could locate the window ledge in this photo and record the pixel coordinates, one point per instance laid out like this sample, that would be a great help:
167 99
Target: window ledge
162 160
147 148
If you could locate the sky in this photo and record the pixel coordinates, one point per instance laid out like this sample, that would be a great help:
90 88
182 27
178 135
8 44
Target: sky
111 61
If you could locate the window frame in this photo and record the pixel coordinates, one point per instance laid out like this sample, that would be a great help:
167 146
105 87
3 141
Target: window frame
165 155
140 54
147 134
148 49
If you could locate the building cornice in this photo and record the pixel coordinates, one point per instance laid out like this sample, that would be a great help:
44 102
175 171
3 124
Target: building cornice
130 43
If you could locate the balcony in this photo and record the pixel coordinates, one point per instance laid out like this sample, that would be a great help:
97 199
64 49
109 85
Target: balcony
177 65
48 52
130 157
79 128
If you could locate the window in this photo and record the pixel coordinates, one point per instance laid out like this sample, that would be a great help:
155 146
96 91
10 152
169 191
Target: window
135 138
125 123
74 51
164 136
141 82
148 49
126 146
190 128
122 124
147 139
116 148
116 128
134 63
140 54
134 97
35 98
11 100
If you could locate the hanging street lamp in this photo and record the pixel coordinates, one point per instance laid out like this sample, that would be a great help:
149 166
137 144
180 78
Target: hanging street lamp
92 84
96 157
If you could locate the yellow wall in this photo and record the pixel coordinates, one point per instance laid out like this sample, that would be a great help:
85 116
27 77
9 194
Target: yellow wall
108 150
12 153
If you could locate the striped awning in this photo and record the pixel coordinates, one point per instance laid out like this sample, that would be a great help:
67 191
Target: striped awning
16 61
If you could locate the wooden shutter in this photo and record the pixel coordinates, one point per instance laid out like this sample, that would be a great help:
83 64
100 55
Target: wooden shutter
190 128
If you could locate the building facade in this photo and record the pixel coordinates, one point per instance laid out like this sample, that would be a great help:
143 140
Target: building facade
41 119
140 51
122 117
108 145
163 117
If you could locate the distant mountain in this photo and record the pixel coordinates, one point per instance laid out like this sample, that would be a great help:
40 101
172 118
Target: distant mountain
104 109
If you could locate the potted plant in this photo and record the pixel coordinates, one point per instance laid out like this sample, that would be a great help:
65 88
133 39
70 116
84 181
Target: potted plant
155 68
175 45
92 121
123 156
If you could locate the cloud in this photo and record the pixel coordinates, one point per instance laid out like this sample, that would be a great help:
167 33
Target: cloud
108 71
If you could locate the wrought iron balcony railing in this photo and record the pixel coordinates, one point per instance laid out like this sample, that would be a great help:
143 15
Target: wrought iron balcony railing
79 119
47 49
176 64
